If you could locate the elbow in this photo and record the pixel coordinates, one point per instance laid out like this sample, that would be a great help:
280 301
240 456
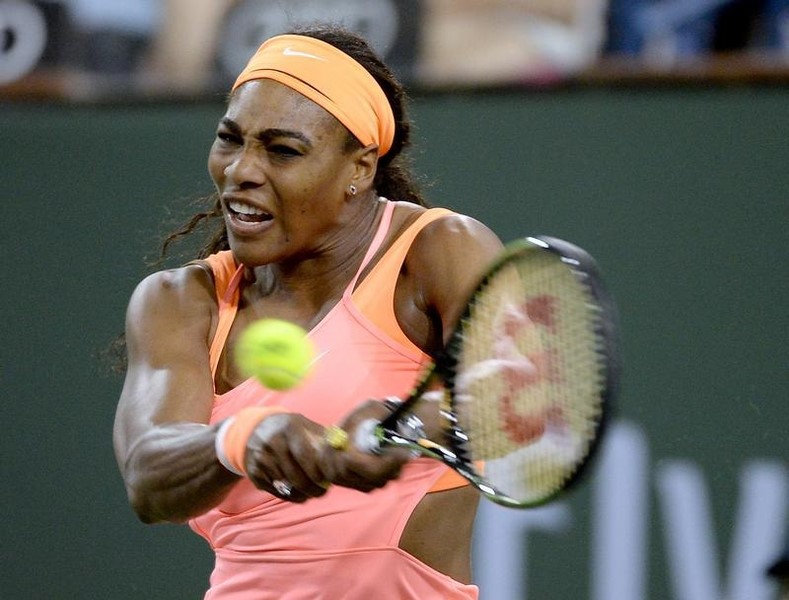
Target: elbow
145 517
143 511
142 505
165 486
145 492
147 502
153 506
149 512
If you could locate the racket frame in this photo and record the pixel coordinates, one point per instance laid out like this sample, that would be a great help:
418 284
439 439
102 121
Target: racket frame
444 369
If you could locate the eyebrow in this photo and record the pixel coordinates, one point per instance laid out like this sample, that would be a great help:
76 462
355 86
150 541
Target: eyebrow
268 134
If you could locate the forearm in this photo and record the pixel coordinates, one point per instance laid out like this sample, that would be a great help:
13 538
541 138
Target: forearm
172 473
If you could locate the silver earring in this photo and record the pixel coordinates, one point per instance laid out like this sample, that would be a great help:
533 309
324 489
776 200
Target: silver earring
352 189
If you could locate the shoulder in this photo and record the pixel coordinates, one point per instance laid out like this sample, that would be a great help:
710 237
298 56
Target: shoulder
454 237
446 262
188 287
451 227
459 226
170 311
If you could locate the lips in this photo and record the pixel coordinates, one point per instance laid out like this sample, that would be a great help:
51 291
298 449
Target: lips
247 213
245 219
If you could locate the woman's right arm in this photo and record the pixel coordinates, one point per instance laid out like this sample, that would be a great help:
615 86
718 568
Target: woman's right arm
163 445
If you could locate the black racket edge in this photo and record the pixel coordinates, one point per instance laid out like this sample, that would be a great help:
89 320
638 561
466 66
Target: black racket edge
444 365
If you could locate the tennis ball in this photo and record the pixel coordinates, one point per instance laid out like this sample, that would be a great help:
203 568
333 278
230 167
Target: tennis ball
276 352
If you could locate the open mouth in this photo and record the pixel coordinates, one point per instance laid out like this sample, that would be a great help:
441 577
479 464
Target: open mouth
248 213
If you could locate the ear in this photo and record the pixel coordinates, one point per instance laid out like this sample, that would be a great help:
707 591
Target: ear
365 166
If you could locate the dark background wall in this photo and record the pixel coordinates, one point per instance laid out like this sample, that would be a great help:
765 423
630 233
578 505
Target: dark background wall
680 193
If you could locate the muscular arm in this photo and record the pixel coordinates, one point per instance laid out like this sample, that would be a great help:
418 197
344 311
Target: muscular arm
450 257
443 267
163 446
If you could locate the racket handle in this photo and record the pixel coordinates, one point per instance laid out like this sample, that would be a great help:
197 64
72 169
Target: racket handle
366 438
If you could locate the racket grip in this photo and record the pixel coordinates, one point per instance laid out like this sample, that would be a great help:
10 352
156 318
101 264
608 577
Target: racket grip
366 438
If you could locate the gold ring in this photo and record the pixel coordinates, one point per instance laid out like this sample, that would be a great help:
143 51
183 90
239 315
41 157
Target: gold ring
336 437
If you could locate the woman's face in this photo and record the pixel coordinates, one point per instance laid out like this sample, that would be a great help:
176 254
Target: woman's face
279 165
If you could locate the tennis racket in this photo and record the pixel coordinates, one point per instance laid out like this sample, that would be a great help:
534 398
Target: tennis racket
525 382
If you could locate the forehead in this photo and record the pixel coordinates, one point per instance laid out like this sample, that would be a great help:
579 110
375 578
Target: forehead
263 103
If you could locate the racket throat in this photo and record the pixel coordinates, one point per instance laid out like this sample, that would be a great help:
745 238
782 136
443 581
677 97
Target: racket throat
407 423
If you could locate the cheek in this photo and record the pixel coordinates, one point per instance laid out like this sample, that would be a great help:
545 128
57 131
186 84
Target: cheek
303 205
319 199
333 179
216 167
310 204
318 187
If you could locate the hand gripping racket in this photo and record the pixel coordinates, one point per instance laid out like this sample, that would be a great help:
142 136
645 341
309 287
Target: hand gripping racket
526 380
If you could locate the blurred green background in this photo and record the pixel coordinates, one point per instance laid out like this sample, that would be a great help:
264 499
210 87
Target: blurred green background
679 192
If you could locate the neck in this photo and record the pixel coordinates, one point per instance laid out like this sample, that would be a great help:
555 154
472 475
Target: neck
304 287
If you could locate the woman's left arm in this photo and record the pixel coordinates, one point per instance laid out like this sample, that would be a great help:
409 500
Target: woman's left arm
445 263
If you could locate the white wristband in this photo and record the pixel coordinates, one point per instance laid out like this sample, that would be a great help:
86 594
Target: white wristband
219 445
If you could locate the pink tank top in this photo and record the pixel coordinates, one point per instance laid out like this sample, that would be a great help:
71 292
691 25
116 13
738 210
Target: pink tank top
345 544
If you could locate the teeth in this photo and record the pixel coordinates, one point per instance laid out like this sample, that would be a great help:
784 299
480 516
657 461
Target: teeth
244 209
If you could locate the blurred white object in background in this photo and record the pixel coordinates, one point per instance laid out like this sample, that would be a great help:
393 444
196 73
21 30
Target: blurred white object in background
23 38
508 41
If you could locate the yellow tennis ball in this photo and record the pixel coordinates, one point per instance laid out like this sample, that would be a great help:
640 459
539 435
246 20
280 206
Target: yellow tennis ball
276 352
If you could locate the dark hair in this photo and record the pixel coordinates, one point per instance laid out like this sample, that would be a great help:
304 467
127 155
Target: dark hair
393 178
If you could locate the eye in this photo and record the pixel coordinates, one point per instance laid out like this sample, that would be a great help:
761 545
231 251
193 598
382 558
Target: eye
226 137
283 151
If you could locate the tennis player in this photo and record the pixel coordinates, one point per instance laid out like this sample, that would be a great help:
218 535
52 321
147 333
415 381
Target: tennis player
318 222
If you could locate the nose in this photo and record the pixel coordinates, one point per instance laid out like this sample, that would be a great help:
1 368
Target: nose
245 169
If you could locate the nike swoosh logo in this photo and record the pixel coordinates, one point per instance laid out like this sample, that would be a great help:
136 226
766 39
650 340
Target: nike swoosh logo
291 52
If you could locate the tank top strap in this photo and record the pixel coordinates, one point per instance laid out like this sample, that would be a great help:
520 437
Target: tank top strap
374 298
378 239
227 276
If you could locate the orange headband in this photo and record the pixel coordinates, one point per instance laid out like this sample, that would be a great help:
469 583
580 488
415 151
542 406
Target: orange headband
331 79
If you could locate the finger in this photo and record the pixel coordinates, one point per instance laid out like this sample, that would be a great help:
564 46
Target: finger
301 469
366 472
356 468
285 455
318 469
265 470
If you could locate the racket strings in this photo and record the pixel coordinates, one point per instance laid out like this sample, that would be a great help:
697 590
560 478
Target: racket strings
529 377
